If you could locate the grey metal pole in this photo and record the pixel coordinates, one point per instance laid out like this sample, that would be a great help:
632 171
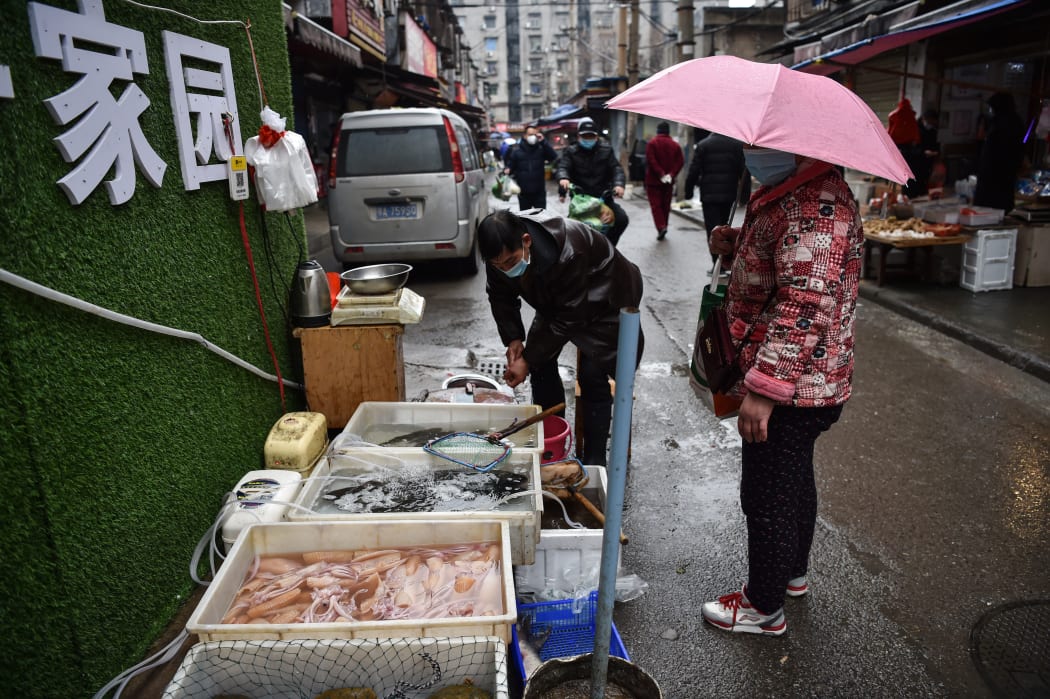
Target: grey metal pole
626 361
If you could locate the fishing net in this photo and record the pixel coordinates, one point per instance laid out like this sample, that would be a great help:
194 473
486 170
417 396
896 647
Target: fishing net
470 450
410 668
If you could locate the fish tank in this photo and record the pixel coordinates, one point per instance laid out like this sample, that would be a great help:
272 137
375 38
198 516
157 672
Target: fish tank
373 484
411 424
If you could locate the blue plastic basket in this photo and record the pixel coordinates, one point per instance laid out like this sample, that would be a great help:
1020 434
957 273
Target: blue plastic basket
572 625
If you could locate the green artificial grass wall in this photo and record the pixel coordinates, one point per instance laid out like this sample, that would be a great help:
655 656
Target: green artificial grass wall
118 443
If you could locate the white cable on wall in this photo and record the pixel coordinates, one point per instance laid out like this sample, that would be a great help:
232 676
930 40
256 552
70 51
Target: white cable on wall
81 305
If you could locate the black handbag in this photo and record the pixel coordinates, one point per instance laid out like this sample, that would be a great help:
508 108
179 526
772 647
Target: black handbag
718 352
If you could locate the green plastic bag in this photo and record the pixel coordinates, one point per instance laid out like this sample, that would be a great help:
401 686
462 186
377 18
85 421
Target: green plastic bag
587 209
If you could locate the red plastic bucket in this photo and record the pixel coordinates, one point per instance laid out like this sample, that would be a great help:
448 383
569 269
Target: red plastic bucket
556 436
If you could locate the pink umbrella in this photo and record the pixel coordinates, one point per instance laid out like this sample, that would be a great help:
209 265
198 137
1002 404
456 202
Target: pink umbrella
766 104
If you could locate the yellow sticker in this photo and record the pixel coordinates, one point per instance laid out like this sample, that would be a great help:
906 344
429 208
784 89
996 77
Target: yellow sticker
238 162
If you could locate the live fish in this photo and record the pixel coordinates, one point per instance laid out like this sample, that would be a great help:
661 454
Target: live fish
419 494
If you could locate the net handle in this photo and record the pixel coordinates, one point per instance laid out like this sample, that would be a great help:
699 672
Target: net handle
526 422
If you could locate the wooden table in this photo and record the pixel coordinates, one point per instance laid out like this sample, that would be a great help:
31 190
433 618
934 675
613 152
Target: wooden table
885 244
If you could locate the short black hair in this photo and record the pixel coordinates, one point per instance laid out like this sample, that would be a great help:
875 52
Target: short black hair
499 230
663 127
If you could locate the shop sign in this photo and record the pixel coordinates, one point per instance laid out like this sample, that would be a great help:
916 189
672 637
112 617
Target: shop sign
104 133
361 21
420 52
461 93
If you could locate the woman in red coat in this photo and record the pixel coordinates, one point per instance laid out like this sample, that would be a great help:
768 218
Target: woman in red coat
663 162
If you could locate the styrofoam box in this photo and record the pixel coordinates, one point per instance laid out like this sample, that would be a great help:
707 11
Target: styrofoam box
984 216
375 421
941 214
988 260
563 552
301 537
308 667
522 515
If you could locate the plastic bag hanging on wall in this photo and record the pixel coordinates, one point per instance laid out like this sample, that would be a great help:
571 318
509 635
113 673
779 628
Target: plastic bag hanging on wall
284 173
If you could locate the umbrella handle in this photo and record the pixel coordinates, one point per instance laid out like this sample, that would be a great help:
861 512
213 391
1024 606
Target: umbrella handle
717 269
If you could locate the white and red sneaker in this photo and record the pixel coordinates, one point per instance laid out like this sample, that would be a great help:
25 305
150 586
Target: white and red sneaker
733 612
797 586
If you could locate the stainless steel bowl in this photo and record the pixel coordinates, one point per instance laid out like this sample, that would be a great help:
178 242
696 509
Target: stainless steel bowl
376 279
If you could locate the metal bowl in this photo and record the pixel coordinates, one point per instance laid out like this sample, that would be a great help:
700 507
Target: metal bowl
376 279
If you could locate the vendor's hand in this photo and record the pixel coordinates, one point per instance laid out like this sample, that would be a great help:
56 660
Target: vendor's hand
564 184
618 191
723 239
517 371
506 171
514 351
753 422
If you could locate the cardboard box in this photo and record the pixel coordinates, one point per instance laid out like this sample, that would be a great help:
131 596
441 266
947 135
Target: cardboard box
1032 260
345 366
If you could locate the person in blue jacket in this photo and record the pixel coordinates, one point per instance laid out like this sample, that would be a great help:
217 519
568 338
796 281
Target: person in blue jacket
526 163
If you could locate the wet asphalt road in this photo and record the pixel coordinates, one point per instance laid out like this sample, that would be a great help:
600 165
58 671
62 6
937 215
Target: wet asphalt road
934 486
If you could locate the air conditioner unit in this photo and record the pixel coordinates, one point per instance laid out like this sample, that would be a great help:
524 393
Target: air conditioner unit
490 54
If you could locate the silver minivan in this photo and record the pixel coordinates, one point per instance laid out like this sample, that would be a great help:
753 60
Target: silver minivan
405 185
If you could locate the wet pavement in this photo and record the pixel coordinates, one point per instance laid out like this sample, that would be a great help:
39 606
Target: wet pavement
934 486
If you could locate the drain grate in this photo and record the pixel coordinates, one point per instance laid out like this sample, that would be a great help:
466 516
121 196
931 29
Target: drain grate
1010 645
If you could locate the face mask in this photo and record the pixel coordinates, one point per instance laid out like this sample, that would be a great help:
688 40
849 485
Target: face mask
769 166
588 143
531 140
518 269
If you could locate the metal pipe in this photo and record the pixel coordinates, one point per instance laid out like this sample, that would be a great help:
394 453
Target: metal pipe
626 363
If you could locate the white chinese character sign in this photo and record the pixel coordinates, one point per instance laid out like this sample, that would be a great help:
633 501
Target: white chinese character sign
107 134
207 94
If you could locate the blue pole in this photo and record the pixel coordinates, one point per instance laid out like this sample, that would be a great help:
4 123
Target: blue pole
626 360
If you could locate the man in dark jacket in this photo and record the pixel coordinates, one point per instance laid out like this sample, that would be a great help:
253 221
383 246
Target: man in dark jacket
590 165
718 163
525 163
663 162
577 282
1001 155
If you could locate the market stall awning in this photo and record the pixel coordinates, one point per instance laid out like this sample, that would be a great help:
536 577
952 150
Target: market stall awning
310 33
565 111
906 32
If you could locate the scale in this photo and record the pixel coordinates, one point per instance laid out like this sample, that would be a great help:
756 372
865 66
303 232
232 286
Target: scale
400 306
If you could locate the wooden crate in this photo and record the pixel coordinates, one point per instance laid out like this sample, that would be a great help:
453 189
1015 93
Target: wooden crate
347 365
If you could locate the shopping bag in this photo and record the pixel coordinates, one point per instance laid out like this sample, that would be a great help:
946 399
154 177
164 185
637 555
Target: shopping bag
587 209
710 348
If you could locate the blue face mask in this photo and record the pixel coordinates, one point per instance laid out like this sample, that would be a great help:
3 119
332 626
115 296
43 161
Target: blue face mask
769 166
518 269
588 143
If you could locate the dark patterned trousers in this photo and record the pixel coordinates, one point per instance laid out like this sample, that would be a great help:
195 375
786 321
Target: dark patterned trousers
778 495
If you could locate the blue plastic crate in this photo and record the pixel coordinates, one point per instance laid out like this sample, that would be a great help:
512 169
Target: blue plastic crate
572 625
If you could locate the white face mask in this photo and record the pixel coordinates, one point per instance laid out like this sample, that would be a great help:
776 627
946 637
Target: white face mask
531 140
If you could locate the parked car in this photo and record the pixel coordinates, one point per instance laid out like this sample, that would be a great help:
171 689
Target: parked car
405 185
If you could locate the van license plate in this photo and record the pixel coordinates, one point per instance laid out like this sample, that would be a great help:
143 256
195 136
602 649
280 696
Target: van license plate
397 211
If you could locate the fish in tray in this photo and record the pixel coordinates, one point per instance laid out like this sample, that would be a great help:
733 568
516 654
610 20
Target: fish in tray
448 490
530 644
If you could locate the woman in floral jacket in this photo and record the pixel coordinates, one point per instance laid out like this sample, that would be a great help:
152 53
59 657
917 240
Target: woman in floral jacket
791 301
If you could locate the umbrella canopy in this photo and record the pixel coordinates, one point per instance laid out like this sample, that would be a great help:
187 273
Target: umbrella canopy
768 105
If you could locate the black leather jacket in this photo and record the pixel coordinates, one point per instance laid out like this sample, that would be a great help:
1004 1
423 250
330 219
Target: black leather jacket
576 281
592 171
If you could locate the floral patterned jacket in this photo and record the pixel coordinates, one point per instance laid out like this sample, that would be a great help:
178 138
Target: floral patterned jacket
793 288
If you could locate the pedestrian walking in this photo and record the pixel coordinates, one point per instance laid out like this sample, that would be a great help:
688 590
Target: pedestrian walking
577 282
526 163
591 167
663 162
791 301
717 166
1001 155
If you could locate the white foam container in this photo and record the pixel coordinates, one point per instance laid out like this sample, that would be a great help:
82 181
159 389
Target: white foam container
302 537
984 216
941 214
450 417
565 553
307 668
524 523
988 260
